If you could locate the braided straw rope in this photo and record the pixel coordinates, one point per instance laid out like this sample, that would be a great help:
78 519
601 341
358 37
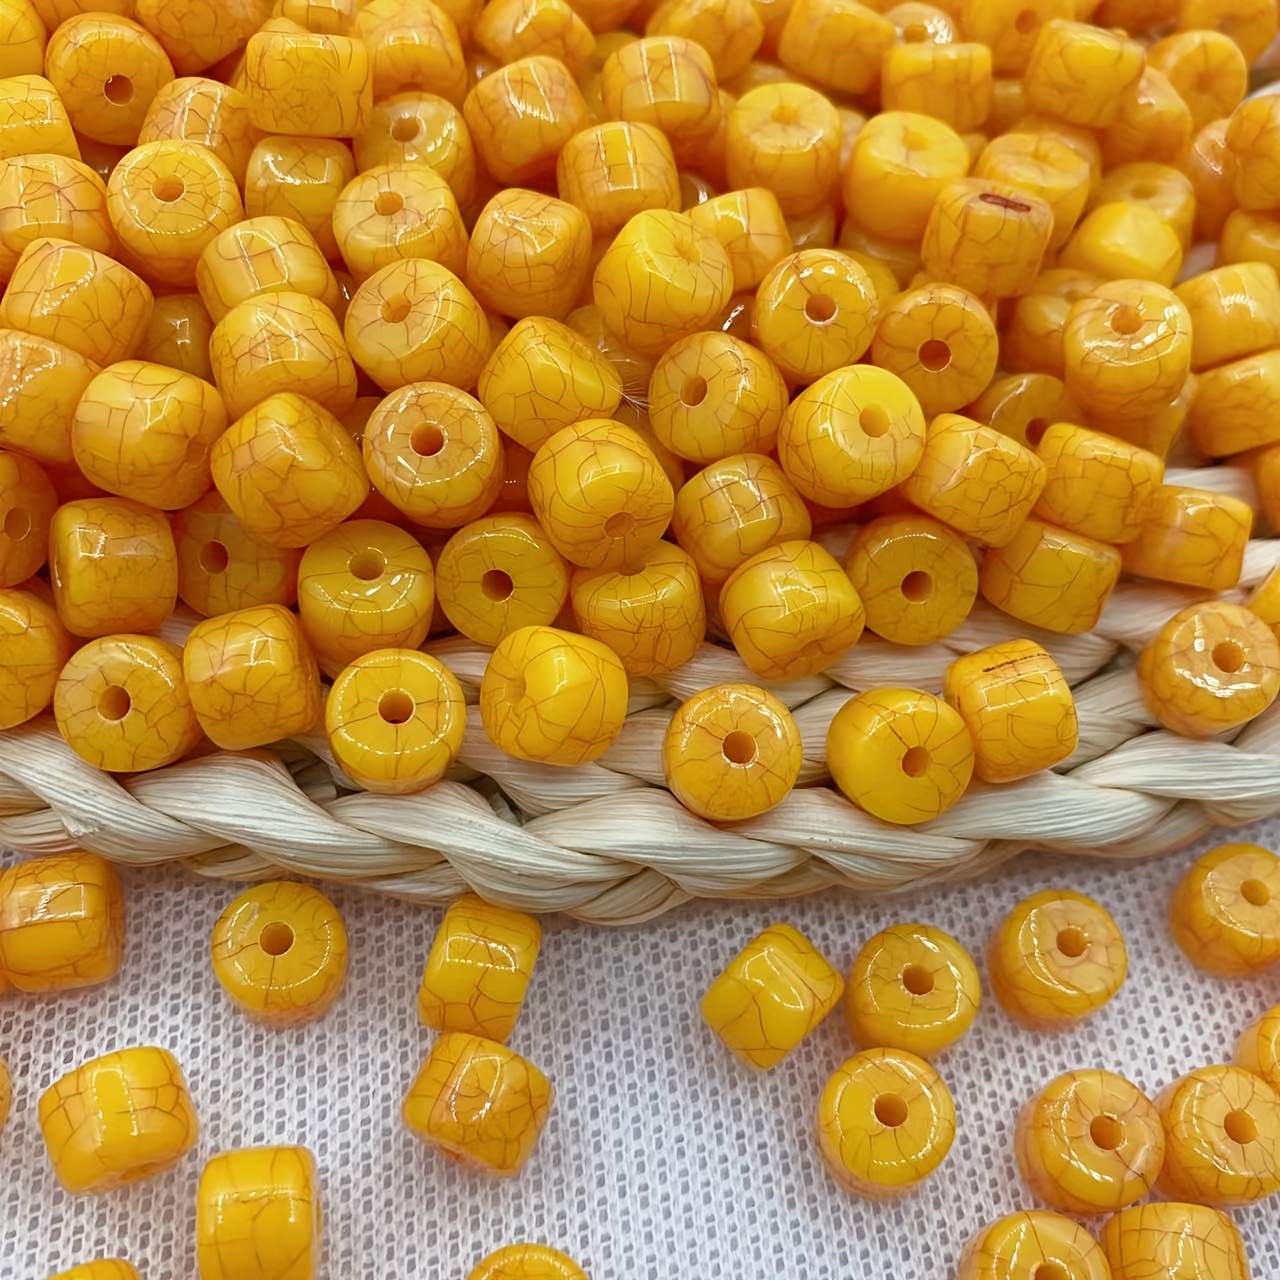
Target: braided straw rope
607 843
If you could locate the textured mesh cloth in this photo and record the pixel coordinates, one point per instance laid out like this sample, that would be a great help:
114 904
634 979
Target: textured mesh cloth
663 1159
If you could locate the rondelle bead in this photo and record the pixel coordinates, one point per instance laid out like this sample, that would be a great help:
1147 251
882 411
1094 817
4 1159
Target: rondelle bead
1043 165
527 1262
1225 912
117 1119
836 43
730 31
298 82
102 1269
731 752
952 81
34 646
1210 668
395 720
50 196
415 128
478 969
614 170
27 503
886 1121
1258 1048
1222 1137
177 335
902 755
1250 23
1056 958
279 950
1235 312
1191 536
113 566
1166 191
771 995
200 110
911 987
553 697
1023 1243
258 1215
414 43
33 120
1235 405
1032 336
24 39
41 382
750 228
121 704
299 178
62 922
791 611
1124 242
1024 406
1174 1240
1078 72
478 1103
1089 1142
252 678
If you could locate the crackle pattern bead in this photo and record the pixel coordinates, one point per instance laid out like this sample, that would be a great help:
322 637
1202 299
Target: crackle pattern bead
1177 1240
1020 1245
34 647
527 1262
1225 912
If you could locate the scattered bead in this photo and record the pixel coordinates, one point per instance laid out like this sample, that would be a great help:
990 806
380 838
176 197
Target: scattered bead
1022 1244
527 1262
1225 912
1174 1240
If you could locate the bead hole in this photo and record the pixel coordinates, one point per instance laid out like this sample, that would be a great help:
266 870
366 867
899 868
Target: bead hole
917 586
935 355
119 90
427 440
1106 1132
917 979
515 689
168 189
497 585
1025 23
820 308
694 392
1071 943
785 113
891 1110
1051 1271
622 524
739 747
213 557
1146 190
367 565
1125 320
388 203
1255 893
17 524
114 703
874 421
1240 1127
1035 431
1004 202
395 706
405 130
1228 656
276 938
915 33
689 251
913 141
396 310
916 762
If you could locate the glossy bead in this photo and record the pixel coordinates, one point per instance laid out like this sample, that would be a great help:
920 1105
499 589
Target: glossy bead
299 178
298 82
27 503
1234 407
33 119
279 950
1191 536
553 697
951 82
838 44
1078 72
1153 123
415 321
1164 190
288 469
50 196
478 969
251 677
1206 69
200 110
512 29
1250 23
41 382
1032 338
730 31
886 1121
103 1269
616 169
258 1215
177 335
750 228
1023 1243
1018 707
414 44
527 1262
1044 166
24 36
1056 958
1124 242
1225 912
34 646
1179 1241
1210 166
78 298
417 128
1258 1048
776 991
62 922
1235 312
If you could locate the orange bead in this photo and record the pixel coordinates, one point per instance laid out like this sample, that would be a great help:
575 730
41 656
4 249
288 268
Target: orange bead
1043 166
750 228
1191 536
33 119
1024 406
1033 1239
50 196
200 110
1079 72
838 44
299 178
951 82
34 647
512 29
41 383
177 335
417 128
614 170
1211 168
298 82
413 44
1250 23
1164 190
27 503
1225 912
1032 340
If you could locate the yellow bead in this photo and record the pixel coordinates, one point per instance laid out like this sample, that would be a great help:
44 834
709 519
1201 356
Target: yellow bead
1235 312
1023 1243
750 228
776 991
200 33
417 128
177 335
288 470
1206 68
951 82
1079 72
1024 405
527 1262
1191 536
512 29
299 178
1124 241
1234 406
912 987
258 1215
478 969
78 298
279 950
1044 166
117 1119
1164 190
478 1103
51 196
838 44
1056 958
27 503
33 120
553 697
1211 167
62 923
215 115
730 30
1153 123
41 383
886 1121
23 35
1225 912
1258 1048
34 647
413 43
252 678
1222 1137
1032 338
103 1269
1188 1241
1250 23
297 82
1017 706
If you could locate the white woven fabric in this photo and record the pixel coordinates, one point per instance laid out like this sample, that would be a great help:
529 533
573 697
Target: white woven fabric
663 1159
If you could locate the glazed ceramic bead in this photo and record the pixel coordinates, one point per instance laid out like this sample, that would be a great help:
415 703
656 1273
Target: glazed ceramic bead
258 1215
1078 72
415 321
949 81
750 228
1024 1243
513 29
299 178
478 1103
298 82
313 480
1222 1137
886 1121
1089 1142
1258 1048
34 646
196 109
177 335
121 704
774 638
478 969
33 119
1032 338
1235 404
1174 1240
1211 170
1045 166
251 677
912 987
50 196
417 128
527 1262
1153 123
835 43
41 382
24 36
103 1269
1225 912
113 566
27 503
771 996
616 169
1191 536
78 298
413 43
553 697
117 1119
1206 69
1164 190
1056 958
279 950
62 922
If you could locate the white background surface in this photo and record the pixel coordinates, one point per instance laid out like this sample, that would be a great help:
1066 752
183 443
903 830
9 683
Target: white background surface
663 1159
